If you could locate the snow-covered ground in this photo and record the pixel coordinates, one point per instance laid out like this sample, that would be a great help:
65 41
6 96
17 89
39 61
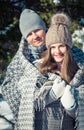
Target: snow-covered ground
5 114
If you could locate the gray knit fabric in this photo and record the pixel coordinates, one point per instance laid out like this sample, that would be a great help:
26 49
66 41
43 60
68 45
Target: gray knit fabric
26 111
56 118
20 82
10 88
78 84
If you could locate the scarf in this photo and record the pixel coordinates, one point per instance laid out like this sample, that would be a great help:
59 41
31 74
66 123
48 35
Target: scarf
10 88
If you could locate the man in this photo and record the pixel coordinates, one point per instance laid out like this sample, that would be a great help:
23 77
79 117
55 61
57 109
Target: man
33 31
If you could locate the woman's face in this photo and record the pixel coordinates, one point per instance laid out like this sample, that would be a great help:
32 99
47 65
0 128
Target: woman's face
36 38
57 51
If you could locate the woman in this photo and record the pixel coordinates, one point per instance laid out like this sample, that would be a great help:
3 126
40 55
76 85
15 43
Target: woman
67 89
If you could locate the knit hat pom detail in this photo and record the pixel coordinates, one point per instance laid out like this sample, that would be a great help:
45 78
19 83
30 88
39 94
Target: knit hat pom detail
60 18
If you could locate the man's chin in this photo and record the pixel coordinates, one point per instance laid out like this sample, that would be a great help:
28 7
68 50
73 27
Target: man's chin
39 44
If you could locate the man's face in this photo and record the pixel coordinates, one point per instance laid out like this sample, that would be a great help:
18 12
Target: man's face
36 38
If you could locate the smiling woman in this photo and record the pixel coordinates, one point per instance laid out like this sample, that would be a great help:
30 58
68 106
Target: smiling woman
58 59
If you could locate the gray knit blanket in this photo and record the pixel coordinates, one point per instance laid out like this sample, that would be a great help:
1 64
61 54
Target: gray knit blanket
21 80
16 87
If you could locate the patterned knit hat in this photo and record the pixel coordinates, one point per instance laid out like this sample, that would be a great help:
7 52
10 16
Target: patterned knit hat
30 21
59 30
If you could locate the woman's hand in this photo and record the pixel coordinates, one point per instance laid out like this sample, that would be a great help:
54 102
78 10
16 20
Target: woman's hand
58 87
68 100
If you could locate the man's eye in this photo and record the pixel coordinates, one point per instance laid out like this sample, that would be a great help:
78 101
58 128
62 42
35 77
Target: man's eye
30 34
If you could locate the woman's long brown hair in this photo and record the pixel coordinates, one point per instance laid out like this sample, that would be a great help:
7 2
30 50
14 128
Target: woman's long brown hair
68 68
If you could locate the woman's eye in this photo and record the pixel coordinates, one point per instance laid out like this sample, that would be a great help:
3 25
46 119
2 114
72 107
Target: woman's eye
52 46
62 45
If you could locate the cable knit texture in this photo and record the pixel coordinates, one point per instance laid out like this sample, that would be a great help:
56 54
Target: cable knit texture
19 68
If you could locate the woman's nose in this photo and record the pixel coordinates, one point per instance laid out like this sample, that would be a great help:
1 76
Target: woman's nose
57 50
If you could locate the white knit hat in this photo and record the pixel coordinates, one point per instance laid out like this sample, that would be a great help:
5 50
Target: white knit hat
59 30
